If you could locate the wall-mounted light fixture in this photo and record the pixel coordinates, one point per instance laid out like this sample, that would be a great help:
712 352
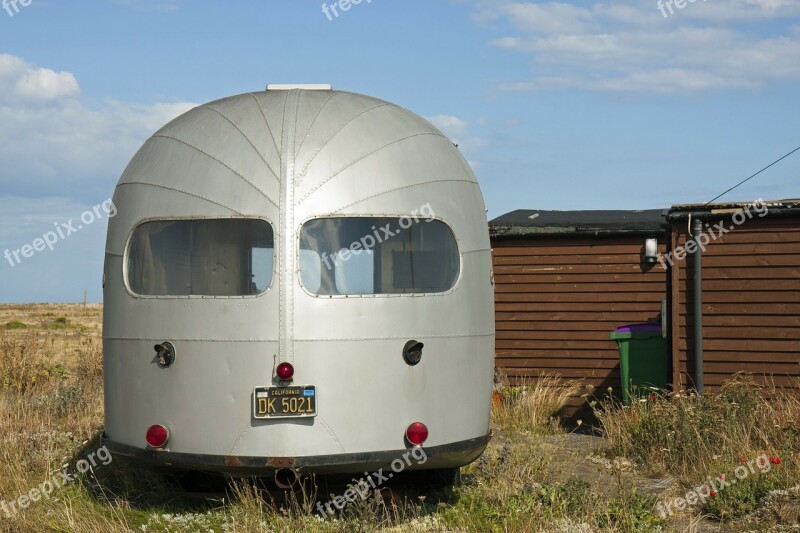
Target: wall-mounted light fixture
651 250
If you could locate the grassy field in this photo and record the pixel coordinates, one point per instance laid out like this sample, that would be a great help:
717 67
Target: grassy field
535 475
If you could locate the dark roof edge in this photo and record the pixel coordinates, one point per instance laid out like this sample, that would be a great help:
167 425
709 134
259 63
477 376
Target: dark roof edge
525 222
772 212
510 232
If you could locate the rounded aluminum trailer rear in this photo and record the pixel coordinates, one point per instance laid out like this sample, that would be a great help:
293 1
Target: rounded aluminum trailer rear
190 347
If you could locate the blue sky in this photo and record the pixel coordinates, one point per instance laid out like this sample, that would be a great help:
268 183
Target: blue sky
557 105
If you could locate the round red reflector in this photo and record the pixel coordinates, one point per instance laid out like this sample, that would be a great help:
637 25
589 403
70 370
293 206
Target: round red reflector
417 433
285 371
157 436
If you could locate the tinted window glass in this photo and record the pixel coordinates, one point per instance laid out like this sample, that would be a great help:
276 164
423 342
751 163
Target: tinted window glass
379 255
224 257
310 270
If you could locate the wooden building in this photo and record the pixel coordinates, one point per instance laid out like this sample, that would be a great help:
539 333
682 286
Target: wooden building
564 280
750 308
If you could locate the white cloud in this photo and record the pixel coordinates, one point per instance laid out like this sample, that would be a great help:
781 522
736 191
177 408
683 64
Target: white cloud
21 82
451 126
26 218
53 142
552 17
630 46
662 81
59 156
542 83
458 130
741 10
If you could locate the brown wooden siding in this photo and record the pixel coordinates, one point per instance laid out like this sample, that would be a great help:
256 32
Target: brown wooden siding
557 300
751 304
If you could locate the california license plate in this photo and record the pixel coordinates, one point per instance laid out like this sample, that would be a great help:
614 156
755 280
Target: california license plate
285 402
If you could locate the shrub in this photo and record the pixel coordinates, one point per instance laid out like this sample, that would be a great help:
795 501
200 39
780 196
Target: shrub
534 406
693 437
59 323
21 365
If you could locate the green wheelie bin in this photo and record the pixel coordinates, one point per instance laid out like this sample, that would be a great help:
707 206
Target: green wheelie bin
643 359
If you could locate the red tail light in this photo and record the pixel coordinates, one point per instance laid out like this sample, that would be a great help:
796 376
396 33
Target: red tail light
417 433
285 371
157 436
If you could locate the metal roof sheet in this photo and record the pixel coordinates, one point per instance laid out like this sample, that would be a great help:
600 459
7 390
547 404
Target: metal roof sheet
536 222
788 204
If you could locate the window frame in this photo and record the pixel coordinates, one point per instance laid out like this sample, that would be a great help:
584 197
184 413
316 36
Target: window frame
422 219
125 262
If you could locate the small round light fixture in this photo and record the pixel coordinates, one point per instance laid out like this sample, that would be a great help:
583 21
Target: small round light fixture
285 371
412 352
165 354
417 433
157 436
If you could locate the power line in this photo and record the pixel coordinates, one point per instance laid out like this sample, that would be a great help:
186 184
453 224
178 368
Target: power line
754 175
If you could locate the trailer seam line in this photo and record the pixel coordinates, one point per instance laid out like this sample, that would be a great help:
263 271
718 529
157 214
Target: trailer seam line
245 137
322 147
183 191
266 122
401 188
314 120
239 439
253 185
366 156
330 432
465 336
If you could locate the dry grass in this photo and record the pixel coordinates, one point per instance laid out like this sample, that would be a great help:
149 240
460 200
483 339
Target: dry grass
693 437
680 433
50 410
51 414
533 405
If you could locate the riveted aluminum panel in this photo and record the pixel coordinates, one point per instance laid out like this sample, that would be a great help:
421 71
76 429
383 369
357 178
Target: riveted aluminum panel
287 157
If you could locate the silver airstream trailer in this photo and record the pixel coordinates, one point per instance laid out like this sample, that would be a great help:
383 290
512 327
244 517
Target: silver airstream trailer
298 281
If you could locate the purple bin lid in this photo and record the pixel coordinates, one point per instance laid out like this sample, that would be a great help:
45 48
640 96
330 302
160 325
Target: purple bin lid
646 327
